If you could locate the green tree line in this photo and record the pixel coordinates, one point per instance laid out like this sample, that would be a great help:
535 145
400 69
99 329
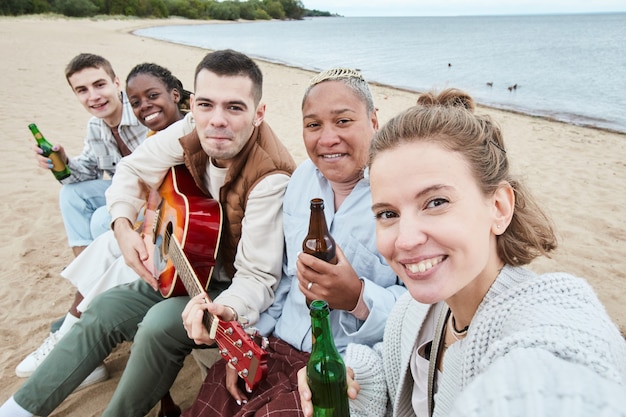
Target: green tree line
191 9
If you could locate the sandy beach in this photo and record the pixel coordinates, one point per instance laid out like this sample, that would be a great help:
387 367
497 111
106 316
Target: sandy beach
577 173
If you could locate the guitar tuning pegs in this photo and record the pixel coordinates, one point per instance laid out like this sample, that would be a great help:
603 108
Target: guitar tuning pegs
264 342
224 352
251 331
244 321
256 337
238 343
243 373
233 361
248 354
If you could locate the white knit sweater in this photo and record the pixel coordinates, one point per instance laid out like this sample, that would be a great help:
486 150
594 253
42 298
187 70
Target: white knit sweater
537 345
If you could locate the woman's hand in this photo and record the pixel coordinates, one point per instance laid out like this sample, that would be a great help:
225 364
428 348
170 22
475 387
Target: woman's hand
133 249
232 385
305 391
338 285
44 161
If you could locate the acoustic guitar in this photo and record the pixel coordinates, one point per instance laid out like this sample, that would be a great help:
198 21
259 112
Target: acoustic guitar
181 230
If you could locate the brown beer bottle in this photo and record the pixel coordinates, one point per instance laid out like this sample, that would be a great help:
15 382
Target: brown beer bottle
318 241
60 170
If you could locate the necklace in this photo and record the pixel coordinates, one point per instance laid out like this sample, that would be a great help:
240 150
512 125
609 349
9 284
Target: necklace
457 334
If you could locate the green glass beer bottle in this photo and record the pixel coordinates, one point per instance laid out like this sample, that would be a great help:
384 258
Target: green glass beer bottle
318 241
326 372
59 167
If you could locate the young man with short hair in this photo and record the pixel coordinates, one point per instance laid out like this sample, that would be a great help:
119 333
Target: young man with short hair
112 133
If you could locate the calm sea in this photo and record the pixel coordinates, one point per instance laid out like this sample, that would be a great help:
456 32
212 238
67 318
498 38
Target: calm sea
568 67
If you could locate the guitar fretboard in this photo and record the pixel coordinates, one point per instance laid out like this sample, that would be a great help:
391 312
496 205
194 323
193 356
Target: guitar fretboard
189 279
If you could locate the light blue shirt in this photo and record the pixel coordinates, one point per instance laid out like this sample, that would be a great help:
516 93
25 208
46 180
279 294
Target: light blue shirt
353 228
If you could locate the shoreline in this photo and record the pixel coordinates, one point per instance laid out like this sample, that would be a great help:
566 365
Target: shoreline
576 173
568 117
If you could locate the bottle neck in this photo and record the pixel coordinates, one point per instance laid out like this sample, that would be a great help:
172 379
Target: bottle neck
321 330
318 221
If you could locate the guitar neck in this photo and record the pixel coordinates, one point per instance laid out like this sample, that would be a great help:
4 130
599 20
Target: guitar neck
190 280
248 358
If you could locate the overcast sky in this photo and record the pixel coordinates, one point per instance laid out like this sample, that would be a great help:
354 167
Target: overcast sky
462 7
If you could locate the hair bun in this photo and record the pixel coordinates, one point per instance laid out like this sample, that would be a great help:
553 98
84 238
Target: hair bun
451 97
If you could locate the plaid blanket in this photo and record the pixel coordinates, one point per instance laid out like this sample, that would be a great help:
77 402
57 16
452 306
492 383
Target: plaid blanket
277 395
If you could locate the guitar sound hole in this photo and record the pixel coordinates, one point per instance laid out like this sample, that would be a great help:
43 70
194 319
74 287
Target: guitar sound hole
161 247
169 229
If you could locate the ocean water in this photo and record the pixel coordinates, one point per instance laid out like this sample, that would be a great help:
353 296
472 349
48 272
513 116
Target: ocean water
567 67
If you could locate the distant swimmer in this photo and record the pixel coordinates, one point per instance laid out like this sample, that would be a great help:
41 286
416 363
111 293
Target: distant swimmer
512 87
489 84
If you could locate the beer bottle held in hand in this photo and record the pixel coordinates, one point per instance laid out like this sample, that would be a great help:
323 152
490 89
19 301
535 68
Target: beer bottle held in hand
326 371
60 170
318 241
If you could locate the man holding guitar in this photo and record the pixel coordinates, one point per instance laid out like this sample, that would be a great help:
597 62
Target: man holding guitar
230 154
339 119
